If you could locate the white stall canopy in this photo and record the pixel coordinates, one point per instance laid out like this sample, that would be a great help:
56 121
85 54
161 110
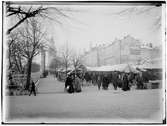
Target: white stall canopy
119 67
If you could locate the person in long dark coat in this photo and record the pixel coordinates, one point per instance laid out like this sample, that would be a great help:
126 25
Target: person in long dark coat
125 86
99 81
139 80
105 82
119 81
87 77
77 84
69 84
115 80
32 88
93 78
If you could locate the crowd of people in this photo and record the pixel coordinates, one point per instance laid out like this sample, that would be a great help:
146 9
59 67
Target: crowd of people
117 79
102 79
73 83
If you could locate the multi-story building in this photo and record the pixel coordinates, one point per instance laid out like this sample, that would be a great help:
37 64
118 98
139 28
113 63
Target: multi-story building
91 58
127 50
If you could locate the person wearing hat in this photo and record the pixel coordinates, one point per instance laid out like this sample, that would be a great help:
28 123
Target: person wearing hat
68 84
32 88
77 84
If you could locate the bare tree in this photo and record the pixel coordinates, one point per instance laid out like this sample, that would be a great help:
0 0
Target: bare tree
22 13
14 54
76 61
55 14
77 64
11 41
66 55
32 40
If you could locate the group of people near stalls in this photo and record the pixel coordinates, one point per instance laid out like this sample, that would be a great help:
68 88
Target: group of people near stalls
117 79
73 83
121 80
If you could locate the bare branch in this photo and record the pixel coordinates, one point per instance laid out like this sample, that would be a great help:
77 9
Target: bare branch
18 11
21 21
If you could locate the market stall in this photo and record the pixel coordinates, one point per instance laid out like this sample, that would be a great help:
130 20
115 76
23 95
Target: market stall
127 68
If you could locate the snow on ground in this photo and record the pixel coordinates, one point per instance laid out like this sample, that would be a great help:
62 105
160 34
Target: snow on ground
52 104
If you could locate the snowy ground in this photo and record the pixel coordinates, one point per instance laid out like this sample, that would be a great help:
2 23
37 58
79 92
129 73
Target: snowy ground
91 105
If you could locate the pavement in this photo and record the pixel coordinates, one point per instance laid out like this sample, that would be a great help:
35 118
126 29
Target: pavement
53 105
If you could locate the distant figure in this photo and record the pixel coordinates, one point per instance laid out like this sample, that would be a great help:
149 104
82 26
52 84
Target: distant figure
69 84
119 81
125 85
32 88
99 81
139 80
93 77
77 84
105 82
87 77
115 80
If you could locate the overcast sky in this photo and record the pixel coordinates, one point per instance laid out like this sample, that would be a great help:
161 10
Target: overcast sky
102 24
98 24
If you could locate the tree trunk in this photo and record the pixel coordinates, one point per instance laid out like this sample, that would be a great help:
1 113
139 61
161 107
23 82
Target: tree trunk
16 63
10 64
20 64
28 73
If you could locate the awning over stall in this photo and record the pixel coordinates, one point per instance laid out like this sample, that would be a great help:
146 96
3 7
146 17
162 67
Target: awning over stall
119 67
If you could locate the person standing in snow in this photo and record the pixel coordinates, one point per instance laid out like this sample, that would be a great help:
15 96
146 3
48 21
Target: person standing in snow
32 88
69 84
106 82
99 81
125 86
77 84
115 80
139 80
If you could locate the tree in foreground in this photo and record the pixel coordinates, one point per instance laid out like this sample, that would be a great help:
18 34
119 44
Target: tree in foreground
22 13
32 40
16 60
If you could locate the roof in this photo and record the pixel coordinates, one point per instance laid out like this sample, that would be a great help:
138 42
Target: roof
119 67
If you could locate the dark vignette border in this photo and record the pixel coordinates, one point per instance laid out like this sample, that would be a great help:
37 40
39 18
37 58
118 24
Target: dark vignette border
2 62
149 3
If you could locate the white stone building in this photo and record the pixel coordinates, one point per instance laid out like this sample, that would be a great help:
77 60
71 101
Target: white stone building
126 50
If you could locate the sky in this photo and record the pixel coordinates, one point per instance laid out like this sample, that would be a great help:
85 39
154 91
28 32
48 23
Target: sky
99 24
90 25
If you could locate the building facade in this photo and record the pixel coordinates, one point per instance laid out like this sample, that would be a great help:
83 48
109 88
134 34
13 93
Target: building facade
128 50
90 58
